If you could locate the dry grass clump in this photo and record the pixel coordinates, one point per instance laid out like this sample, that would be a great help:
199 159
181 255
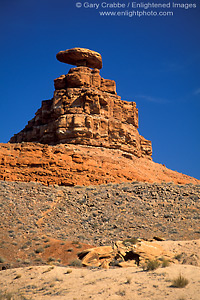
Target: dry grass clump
18 276
76 263
68 271
180 282
39 250
11 296
121 292
151 265
164 262
128 280
48 270
51 259
2 260
129 242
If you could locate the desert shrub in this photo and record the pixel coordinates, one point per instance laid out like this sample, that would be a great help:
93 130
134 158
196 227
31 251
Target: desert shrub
46 240
68 271
47 246
131 241
6 296
39 250
38 259
70 250
2 260
51 259
128 280
178 257
121 292
75 263
48 270
36 238
24 246
164 262
151 265
75 242
180 281
26 261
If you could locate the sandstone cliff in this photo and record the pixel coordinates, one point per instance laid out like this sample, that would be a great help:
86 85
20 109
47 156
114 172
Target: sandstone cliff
86 110
84 135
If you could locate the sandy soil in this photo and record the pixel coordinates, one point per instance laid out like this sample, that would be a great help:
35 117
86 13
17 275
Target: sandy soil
56 282
46 282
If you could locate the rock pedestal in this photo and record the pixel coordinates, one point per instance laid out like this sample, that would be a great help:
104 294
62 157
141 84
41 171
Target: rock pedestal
86 110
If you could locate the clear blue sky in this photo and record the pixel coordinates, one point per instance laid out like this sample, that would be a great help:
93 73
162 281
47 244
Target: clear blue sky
155 62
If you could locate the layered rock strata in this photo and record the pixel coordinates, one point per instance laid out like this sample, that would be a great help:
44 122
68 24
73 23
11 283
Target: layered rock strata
80 57
86 110
71 165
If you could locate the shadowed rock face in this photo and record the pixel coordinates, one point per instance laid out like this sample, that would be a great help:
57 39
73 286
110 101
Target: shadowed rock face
86 110
80 57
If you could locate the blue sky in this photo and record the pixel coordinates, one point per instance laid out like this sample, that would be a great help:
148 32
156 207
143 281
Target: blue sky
155 62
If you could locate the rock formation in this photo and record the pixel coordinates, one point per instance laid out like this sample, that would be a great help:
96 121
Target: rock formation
124 254
71 165
86 110
80 57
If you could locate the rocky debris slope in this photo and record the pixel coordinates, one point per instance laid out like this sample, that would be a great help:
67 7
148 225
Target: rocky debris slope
70 165
95 215
86 110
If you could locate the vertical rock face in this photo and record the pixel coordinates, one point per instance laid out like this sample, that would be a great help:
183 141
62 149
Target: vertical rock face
86 110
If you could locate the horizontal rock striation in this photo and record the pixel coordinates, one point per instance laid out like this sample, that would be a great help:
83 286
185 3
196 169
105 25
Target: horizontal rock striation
70 165
86 110
80 57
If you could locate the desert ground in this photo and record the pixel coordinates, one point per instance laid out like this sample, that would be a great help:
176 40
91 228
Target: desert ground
55 282
44 228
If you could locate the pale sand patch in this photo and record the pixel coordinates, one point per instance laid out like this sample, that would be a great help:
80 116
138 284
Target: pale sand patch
189 250
46 282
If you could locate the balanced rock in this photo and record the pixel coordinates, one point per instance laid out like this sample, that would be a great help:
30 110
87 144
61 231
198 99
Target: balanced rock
86 110
80 57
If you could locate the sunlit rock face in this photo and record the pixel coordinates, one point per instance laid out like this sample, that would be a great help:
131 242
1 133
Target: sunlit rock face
86 110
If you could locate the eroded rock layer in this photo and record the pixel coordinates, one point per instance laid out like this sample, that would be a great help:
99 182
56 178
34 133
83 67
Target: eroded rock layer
70 165
80 57
86 110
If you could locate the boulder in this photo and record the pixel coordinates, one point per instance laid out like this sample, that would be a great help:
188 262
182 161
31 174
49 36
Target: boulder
80 57
124 254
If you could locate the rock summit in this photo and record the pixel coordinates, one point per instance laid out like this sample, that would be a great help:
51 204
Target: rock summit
86 110
80 57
